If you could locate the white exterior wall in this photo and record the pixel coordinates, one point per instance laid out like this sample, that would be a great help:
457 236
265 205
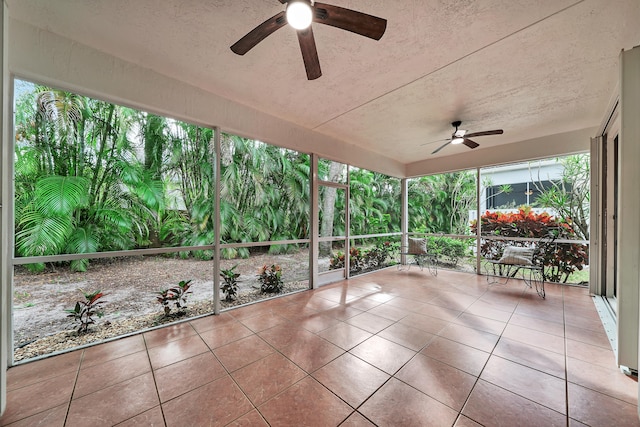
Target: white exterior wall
546 170
538 171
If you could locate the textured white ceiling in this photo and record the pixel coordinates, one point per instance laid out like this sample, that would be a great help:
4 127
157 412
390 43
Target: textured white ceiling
531 67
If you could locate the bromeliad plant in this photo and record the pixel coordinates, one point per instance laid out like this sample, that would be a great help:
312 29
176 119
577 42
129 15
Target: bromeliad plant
84 311
230 286
270 278
176 295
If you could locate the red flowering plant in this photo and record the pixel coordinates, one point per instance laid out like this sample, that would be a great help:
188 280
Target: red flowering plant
336 261
270 278
376 256
559 260
84 311
364 259
176 295
356 260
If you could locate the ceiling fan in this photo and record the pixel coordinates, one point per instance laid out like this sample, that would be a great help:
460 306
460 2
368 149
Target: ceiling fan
460 136
299 14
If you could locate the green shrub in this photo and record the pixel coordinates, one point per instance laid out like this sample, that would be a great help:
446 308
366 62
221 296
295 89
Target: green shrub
230 286
364 259
448 249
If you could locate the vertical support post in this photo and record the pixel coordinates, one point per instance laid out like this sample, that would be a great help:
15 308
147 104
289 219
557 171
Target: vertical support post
347 225
404 216
6 222
217 221
478 221
595 267
314 218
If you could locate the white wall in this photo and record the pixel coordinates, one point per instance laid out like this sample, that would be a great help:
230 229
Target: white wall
523 172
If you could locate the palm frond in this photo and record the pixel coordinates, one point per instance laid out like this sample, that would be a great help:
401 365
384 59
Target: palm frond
42 235
61 195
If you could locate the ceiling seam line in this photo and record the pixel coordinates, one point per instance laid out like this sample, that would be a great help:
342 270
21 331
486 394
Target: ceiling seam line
449 64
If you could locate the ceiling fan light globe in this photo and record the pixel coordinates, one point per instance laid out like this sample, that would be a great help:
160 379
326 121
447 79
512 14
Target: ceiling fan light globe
457 140
299 14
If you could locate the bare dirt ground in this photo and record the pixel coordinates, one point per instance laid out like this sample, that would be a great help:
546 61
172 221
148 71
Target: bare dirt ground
130 286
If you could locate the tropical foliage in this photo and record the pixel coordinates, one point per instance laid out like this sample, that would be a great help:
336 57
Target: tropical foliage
449 250
365 259
560 260
68 151
374 203
441 203
174 297
270 278
570 195
230 286
84 310
91 176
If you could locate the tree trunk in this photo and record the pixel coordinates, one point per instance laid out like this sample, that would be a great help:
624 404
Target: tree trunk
154 141
328 208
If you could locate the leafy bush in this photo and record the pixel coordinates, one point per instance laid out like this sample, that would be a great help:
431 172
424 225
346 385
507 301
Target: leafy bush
447 247
357 261
270 278
559 261
230 286
84 311
377 256
336 261
176 295
364 259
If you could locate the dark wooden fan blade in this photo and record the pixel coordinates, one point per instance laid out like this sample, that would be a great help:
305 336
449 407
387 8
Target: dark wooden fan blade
259 33
350 20
441 147
469 143
486 132
309 53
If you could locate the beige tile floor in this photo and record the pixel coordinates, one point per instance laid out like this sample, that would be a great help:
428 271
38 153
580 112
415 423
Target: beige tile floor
389 349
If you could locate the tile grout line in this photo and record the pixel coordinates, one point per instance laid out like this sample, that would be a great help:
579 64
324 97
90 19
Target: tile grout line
75 383
345 351
155 384
566 359
393 376
254 407
464 404
276 350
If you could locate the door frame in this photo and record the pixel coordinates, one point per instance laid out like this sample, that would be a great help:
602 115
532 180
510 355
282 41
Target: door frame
6 222
332 276
628 238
